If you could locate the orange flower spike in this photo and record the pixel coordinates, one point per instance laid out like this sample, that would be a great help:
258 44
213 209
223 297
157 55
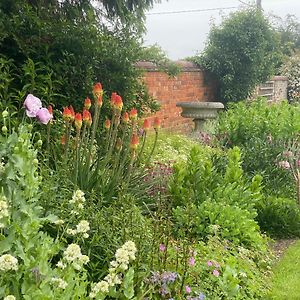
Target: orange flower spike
133 114
78 121
85 116
113 99
72 113
134 141
67 115
99 101
90 121
125 117
157 123
97 90
146 125
118 103
87 103
107 124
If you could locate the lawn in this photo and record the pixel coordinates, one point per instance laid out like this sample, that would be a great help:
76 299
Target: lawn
286 278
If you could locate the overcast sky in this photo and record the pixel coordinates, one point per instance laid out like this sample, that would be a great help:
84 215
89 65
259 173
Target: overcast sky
184 34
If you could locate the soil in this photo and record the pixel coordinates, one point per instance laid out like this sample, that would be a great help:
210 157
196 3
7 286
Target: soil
280 246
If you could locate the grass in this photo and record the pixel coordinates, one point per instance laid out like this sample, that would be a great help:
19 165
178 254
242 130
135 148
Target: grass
286 278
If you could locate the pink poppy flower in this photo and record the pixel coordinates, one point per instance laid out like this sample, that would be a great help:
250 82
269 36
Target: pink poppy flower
216 273
43 115
32 104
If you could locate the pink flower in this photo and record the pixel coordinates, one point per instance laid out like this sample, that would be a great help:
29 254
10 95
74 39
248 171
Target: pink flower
43 115
298 163
192 261
32 104
216 273
209 263
188 290
284 164
162 247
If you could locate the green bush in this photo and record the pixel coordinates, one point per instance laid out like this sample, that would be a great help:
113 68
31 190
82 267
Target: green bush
241 53
203 196
262 132
279 217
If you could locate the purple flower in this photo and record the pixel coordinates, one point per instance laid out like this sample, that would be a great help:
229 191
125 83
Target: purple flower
32 104
209 263
162 247
43 115
168 277
188 290
201 296
192 261
216 273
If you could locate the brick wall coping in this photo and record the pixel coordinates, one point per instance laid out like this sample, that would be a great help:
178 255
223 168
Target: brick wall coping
185 66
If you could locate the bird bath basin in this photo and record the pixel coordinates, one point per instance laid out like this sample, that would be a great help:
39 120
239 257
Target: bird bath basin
200 112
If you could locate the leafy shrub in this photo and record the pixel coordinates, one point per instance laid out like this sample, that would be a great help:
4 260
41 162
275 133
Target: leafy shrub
241 53
261 131
202 197
279 217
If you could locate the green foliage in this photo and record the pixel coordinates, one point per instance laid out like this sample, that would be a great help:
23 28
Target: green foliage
289 32
63 47
205 197
280 217
32 275
262 133
241 53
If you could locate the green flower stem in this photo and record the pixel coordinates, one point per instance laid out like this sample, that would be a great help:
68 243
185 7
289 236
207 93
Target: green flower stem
153 148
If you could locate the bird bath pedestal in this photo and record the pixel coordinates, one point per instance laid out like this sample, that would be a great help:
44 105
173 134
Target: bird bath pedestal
200 112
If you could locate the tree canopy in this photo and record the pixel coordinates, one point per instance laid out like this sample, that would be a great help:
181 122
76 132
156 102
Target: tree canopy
241 53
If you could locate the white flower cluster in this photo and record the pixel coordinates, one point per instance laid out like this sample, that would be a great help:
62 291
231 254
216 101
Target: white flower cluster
3 210
124 256
59 222
83 227
8 262
73 255
77 201
58 282
10 297
291 69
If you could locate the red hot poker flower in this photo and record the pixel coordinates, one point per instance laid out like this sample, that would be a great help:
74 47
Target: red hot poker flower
113 99
125 117
134 141
78 121
50 109
97 90
118 103
107 124
87 117
72 113
133 114
67 115
146 125
99 100
87 103
157 123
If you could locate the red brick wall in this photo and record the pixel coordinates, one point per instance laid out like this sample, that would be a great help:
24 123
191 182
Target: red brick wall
191 84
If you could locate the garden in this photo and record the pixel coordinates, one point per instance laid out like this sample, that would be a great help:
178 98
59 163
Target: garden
99 202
